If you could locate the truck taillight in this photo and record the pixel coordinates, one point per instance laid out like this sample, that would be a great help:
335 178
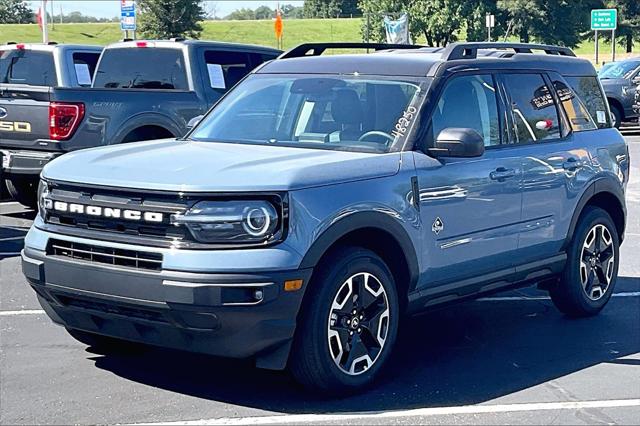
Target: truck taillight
64 119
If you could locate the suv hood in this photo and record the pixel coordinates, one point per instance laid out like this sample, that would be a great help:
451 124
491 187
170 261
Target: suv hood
187 166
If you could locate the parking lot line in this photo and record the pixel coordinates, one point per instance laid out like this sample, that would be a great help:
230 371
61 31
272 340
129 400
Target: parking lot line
418 412
23 312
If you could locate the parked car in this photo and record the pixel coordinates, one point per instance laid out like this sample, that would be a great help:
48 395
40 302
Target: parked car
636 105
141 90
43 65
326 196
620 82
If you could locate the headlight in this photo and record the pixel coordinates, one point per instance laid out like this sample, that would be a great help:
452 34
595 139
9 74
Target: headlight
43 198
240 221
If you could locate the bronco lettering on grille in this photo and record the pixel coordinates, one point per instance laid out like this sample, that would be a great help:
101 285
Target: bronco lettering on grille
107 212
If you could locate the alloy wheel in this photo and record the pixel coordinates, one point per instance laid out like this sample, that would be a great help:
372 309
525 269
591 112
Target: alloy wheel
358 323
597 262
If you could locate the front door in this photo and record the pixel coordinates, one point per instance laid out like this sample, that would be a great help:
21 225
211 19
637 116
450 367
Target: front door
470 207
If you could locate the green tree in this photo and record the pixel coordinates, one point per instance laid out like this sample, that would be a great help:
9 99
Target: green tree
628 30
264 12
15 12
164 19
242 14
437 20
324 8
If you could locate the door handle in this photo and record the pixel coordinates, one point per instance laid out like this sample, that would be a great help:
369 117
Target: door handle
502 173
572 163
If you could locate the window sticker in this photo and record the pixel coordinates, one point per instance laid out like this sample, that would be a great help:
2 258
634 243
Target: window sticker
82 74
216 76
601 116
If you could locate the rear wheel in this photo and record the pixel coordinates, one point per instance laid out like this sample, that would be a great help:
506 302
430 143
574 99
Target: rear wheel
592 266
23 189
349 326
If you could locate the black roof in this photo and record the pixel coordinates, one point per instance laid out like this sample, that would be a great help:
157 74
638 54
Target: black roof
421 62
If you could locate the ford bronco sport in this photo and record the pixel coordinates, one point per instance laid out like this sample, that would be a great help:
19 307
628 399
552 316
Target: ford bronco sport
327 195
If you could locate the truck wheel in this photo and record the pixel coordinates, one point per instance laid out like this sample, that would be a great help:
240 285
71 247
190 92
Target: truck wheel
616 116
591 271
350 324
23 189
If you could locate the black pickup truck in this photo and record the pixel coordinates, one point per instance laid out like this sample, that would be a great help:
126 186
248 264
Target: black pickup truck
141 90
37 64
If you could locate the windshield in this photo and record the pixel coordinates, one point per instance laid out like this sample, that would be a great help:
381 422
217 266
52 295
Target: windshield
618 69
325 112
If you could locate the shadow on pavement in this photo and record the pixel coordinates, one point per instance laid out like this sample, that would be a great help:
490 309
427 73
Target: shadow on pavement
463 354
11 241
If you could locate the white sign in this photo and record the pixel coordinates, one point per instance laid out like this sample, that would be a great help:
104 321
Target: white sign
490 21
216 76
397 30
83 75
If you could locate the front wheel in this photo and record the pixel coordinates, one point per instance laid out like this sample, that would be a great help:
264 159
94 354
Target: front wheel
590 274
350 324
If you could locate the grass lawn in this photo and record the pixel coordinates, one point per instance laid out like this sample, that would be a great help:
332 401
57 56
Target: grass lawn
296 31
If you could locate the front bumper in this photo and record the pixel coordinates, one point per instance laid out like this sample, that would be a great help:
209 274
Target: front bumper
26 162
211 313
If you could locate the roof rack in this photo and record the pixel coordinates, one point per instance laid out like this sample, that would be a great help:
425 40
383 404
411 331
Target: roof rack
470 50
316 49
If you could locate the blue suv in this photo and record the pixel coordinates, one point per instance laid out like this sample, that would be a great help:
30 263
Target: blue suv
326 196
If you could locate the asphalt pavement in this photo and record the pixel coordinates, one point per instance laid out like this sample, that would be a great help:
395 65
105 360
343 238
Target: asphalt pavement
511 358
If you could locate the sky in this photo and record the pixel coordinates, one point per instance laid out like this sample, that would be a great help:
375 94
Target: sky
111 8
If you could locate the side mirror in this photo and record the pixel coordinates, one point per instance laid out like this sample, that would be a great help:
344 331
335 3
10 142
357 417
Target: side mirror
194 121
458 142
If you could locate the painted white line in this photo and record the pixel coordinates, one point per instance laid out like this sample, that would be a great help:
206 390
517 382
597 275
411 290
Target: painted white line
418 412
514 298
23 312
9 203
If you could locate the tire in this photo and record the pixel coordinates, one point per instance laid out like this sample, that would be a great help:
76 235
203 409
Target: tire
616 116
588 281
24 189
103 343
327 323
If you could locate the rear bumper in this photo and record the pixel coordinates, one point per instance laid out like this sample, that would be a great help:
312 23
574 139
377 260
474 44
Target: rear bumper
211 313
26 162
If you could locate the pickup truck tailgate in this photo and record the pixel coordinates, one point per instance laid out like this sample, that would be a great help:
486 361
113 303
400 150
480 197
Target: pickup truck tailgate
24 117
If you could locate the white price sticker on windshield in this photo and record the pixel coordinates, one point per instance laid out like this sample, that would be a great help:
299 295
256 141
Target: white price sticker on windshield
601 117
83 75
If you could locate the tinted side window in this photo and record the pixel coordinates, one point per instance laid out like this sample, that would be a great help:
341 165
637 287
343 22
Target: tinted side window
588 90
535 117
142 68
84 64
27 67
579 117
469 102
226 68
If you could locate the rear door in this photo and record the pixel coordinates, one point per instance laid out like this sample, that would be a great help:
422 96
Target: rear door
553 161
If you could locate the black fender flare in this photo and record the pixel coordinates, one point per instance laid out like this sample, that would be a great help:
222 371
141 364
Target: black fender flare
604 184
365 220
141 120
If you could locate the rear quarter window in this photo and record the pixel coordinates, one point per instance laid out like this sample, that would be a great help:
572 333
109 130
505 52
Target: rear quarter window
84 65
27 67
588 90
142 68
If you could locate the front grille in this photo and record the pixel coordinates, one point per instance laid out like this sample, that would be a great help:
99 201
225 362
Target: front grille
161 204
106 255
109 308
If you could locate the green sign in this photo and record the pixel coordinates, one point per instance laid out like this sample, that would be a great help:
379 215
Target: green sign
604 19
